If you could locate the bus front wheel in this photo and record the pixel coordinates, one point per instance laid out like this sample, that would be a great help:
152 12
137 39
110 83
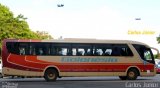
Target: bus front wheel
50 75
132 74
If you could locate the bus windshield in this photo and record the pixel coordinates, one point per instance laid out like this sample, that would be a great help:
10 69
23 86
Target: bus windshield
145 53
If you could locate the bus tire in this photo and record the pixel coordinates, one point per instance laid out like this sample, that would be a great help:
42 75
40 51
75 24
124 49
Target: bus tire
132 74
50 75
123 77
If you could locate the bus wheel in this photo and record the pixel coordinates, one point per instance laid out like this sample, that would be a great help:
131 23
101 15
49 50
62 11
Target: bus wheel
123 77
50 75
132 74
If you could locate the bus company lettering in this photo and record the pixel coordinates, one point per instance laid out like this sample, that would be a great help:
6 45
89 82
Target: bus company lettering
79 59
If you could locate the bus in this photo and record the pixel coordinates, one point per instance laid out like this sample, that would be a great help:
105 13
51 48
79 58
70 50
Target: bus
58 58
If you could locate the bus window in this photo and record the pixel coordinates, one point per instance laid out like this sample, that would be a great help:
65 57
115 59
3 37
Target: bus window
23 49
88 51
112 50
125 51
116 51
107 52
39 49
60 49
102 50
12 47
80 52
121 50
81 49
98 52
32 50
145 53
74 51
64 51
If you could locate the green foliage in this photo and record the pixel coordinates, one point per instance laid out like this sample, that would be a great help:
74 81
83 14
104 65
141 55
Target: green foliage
158 39
17 27
156 56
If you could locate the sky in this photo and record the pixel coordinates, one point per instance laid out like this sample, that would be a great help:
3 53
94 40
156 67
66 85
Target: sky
95 19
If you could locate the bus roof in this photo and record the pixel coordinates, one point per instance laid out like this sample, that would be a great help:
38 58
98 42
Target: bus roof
80 40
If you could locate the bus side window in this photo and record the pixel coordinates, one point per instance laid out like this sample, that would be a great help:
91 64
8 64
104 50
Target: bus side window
13 47
99 52
56 50
60 50
116 51
40 51
53 50
88 52
102 49
81 52
23 48
108 52
74 51
64 51
125 51
121 50
21 51
32 50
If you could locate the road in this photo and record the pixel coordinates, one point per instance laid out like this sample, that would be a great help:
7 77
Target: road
81 82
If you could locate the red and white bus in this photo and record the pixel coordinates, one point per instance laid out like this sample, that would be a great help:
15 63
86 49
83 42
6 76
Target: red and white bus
77 57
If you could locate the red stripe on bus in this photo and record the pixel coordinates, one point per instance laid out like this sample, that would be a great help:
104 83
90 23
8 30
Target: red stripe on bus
32 63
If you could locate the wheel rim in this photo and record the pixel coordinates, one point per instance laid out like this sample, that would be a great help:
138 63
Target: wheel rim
131 74
51 75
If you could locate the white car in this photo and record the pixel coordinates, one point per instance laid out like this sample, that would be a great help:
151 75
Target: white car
157 62
1 69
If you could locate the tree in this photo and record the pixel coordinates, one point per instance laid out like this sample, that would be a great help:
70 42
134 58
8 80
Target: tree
17 27
158 40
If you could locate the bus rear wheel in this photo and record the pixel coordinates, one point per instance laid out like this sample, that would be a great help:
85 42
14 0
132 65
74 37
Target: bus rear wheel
50 75
132 74
123 77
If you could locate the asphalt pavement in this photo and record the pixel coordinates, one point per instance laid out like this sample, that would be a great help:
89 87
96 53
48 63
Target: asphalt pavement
81 82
